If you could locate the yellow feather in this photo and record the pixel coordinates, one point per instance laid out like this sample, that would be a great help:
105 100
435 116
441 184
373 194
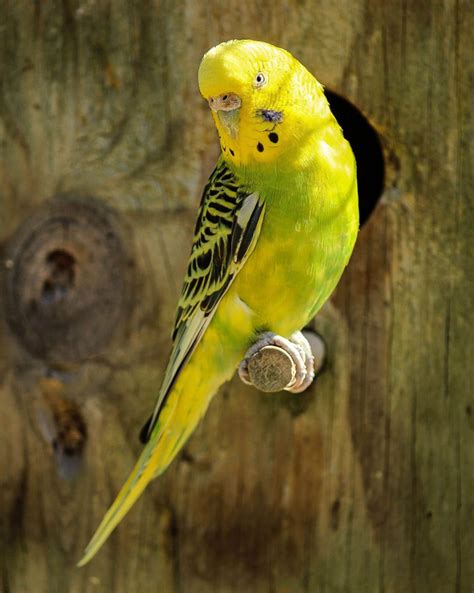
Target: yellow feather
212 363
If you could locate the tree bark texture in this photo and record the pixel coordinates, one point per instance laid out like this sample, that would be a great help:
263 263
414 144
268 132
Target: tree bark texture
363 484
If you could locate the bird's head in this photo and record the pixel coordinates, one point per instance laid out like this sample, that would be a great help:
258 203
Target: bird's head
262 99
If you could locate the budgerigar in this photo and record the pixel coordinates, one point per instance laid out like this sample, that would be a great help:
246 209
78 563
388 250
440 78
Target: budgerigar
276 227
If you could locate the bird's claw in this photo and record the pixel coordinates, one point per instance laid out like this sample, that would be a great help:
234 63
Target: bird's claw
266 339
299 350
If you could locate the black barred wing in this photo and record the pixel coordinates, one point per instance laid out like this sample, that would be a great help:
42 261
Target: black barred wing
215 253
227 228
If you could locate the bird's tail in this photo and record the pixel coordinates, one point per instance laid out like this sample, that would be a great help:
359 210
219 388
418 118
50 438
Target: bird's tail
185 405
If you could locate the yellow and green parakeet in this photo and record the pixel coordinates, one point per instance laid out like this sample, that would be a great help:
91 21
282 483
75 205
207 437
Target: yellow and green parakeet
276 227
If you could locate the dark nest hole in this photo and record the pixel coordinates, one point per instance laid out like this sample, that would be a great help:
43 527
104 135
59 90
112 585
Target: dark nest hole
367 149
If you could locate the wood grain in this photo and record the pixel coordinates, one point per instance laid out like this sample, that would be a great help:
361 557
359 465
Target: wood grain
365 483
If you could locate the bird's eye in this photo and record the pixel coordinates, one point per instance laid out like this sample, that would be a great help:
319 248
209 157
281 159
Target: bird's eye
260 80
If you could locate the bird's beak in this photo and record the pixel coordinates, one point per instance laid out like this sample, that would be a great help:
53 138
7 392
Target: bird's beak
227 108
225 102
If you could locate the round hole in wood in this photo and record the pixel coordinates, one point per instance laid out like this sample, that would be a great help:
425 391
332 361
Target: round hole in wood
367 149
61 276
67 282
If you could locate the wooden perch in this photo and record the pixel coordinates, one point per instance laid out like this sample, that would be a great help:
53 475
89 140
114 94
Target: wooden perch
272 368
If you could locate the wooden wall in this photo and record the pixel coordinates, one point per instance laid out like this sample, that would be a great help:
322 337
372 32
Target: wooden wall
366 483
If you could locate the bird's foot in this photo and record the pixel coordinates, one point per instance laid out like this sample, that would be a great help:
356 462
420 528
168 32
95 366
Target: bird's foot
274 363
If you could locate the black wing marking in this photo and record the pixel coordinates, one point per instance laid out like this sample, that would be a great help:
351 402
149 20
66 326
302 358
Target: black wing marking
227 228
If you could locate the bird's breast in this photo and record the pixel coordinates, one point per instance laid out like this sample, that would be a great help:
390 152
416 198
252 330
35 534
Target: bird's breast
295 265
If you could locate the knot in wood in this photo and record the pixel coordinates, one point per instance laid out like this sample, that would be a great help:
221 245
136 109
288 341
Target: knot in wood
271 369
66 279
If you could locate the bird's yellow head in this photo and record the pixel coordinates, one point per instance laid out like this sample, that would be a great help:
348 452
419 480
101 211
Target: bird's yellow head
262 99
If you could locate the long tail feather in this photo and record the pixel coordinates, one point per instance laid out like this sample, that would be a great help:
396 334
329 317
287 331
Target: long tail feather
185 406
145 469
210 366
177 421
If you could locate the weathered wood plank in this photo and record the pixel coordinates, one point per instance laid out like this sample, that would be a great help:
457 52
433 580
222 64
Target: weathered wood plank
363 484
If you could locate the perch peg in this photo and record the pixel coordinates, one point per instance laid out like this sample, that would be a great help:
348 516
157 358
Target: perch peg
275 363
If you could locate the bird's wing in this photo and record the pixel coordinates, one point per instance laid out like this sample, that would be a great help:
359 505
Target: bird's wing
227 228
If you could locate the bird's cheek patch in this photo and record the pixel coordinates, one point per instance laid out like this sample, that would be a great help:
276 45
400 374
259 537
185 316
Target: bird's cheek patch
270 115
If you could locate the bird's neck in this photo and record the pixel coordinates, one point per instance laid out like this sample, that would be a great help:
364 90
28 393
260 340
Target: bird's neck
296 162
310 179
